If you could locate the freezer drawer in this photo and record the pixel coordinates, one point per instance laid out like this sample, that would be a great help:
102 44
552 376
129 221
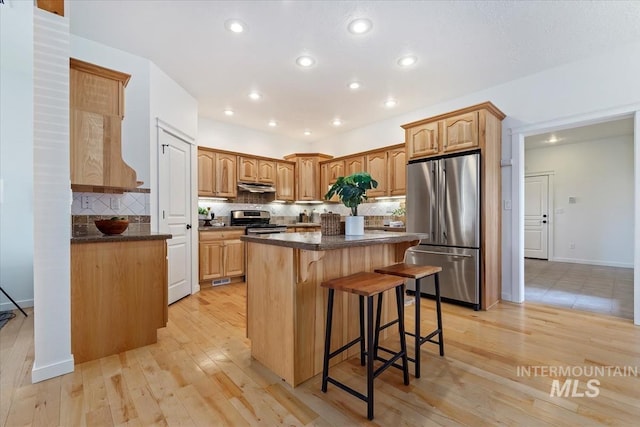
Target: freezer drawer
459 279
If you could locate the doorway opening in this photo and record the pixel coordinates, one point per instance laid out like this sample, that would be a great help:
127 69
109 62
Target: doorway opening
579 219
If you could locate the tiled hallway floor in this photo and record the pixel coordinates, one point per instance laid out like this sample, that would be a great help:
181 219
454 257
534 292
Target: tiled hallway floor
594 288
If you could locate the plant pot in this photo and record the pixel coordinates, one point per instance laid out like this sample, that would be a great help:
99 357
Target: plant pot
354 226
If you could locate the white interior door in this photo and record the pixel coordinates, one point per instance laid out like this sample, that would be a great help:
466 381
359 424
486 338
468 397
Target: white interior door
536 217
174 198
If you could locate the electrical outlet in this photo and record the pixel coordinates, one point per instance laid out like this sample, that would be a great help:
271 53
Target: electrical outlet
572 245
85 202
115 203
507 205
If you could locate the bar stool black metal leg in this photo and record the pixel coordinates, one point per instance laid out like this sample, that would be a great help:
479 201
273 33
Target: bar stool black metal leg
327 342
370 358
439 314
361 314
417 336
376 339
403 340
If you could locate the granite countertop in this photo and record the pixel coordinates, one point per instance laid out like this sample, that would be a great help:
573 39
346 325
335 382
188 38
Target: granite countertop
319 242
385 228
221 228
303 224
124 237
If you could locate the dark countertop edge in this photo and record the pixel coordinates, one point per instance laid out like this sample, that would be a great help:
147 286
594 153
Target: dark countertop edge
332 242
386 228
222 228
302 224
120 238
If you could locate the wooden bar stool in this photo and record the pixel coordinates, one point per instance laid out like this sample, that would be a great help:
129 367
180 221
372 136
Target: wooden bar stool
365 285
417 272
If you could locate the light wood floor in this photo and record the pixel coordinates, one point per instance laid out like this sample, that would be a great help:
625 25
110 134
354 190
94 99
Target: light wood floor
200 373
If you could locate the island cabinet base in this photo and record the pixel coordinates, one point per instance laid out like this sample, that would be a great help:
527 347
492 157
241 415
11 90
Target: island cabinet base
286 306
118 296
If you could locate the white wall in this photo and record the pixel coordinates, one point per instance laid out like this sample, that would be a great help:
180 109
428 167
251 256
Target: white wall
599 174
223 136
16 153
135 128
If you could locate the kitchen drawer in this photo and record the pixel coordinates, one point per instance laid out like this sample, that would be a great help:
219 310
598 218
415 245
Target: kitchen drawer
206 236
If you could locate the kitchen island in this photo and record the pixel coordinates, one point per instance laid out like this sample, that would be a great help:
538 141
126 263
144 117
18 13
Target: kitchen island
286 307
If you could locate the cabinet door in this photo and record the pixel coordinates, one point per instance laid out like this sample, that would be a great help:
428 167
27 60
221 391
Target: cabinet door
329 174
226 182
266 171
460 132
397 172
285 181
247 169
206 170
233 258
423 140
377 168
353 165
211 260
308 183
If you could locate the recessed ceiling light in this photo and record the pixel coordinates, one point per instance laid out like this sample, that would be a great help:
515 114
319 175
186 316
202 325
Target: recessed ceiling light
235 25
228 112
305 61
407 61
354 85
360 26
336 122
273 123
307 132
390 103
255 96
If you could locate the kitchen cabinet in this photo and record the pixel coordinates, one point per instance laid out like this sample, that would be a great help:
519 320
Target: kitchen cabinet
442 135
119 294
353 164
397 169
256 170
329 173
216 174
285 181
307 175
221 254
475 128
376 166
96 111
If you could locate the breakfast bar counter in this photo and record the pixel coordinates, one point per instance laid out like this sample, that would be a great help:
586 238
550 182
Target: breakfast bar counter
286 305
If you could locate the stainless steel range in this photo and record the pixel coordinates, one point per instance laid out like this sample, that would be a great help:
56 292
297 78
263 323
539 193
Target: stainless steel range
257 222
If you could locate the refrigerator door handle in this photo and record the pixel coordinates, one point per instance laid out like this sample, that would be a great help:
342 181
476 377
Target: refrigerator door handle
441 253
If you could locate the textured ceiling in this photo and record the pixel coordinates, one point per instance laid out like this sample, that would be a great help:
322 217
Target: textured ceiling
461 47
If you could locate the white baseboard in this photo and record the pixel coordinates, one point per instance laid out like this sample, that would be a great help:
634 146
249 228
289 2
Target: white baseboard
8 305
592 262
53 370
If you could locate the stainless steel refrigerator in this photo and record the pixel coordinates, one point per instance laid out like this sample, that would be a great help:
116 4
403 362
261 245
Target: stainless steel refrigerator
443 201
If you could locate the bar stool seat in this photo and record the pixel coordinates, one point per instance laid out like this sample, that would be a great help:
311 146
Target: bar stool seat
417 272
365 285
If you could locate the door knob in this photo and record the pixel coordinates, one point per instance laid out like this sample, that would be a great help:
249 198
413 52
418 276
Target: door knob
544 216
544 222
188 226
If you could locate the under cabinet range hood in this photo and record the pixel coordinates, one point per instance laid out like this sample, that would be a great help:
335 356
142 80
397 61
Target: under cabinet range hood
252 187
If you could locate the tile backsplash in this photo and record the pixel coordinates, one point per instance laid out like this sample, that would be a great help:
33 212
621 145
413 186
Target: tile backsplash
111 204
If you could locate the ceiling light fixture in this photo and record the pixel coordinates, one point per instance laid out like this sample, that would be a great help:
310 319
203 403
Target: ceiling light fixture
390 103
273 123
360 26
336 122
354 85
255 96
305 61
407 61
235 25
307 132
228 112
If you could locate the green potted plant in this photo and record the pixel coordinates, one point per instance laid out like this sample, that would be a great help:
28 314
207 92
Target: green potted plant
352 190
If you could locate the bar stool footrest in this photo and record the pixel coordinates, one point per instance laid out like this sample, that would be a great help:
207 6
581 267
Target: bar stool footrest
344 347
347 389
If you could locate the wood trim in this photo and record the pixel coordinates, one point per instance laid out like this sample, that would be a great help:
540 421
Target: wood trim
296 155
484 106
365 153
97 70
53 6
108 190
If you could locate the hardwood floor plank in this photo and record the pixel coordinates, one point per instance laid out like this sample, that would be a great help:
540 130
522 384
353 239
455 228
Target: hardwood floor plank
200 372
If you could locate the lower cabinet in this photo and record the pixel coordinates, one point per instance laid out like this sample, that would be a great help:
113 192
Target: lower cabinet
221 254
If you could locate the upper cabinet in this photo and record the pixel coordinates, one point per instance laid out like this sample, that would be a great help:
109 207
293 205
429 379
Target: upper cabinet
329 173
308 175
376 165
448 133
96 111
397 172
252 169
285 179
353 164
216 174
